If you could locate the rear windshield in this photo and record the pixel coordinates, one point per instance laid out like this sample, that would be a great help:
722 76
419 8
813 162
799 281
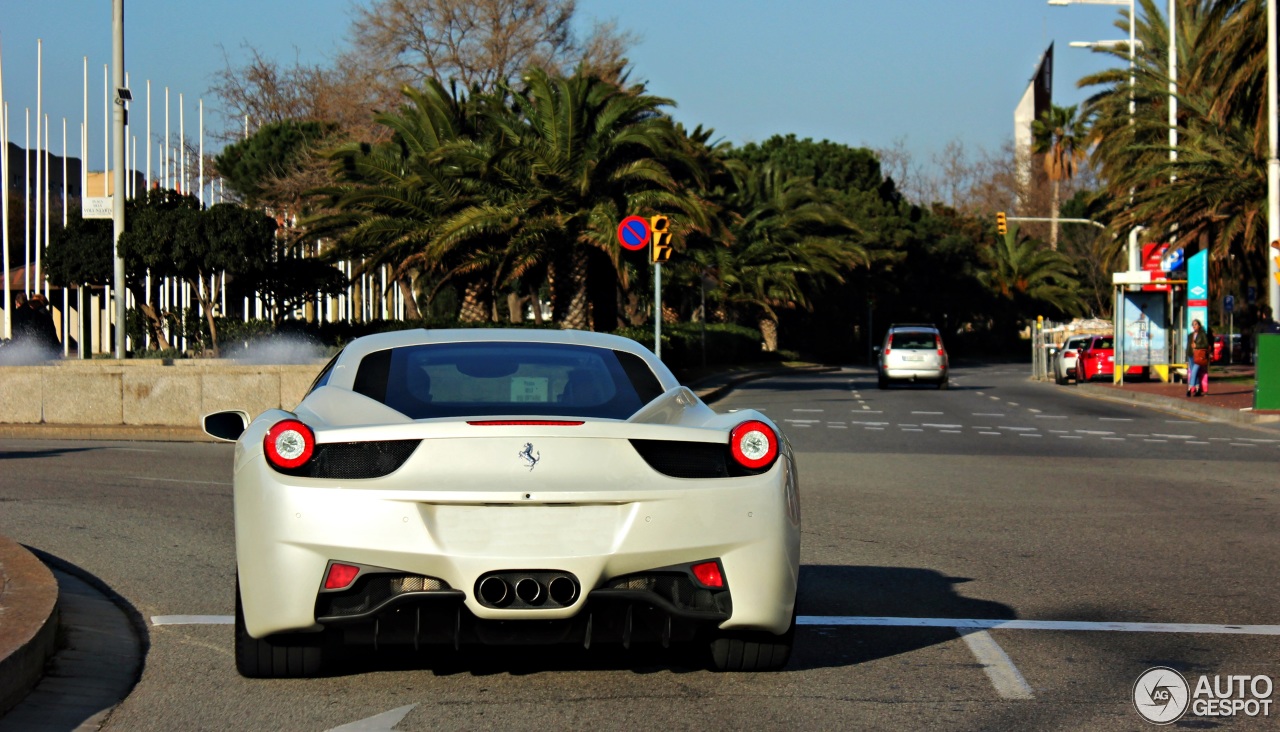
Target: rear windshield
1103 343
923 341
486 379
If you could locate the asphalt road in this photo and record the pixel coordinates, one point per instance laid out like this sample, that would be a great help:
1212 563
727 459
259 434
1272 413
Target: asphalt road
998 499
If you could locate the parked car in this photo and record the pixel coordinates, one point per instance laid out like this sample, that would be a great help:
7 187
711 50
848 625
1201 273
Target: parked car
452 487
1097 360
1220 348
1064 361
913 353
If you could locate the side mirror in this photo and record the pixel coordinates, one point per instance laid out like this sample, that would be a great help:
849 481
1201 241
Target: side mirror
226 426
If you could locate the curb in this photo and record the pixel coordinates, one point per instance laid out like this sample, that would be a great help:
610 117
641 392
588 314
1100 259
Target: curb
29 608
1179 407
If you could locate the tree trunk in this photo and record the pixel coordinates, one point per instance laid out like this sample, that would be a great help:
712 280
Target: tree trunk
1053 231
515 307
575 316
769 334
537 305
206 304
410 304
473 306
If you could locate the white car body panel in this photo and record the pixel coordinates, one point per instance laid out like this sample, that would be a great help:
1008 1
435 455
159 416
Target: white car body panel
467 502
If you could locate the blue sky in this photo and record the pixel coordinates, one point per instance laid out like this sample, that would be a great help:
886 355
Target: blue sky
859 72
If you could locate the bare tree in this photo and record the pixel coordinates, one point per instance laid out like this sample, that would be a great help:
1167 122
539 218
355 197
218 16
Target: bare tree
477 43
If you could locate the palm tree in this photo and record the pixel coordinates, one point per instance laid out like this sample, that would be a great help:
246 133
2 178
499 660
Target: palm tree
788 241
573 156
1059 136
1026 276
389 200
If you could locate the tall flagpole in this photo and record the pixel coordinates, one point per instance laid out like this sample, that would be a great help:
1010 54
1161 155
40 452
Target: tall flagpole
66 288
84 141
167 182
182 145
39 157
148 179
42 281
4 204
201 161
26 203
1273 170
106 128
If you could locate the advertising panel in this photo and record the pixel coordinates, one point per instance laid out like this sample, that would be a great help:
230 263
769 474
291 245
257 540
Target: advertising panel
1144 337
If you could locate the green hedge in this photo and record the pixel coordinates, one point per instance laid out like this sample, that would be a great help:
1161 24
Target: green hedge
682 343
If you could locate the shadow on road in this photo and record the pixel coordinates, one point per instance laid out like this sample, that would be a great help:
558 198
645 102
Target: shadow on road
52 452
842 591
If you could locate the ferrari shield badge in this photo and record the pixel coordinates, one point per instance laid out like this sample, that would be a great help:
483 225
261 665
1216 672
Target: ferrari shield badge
529 457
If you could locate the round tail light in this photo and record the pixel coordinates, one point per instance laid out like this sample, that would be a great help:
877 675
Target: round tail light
753 444
289 444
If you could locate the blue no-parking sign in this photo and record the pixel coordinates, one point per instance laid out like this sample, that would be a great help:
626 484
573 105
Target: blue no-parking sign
633 233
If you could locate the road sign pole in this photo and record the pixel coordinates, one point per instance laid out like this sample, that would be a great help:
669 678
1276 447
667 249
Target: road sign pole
657 309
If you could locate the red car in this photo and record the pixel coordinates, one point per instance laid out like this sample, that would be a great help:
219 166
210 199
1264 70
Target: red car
1097 361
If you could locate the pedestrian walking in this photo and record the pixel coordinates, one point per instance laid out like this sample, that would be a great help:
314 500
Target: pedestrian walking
1198 354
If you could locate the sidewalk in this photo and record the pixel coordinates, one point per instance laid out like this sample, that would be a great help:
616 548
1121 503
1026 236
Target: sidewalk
1230 397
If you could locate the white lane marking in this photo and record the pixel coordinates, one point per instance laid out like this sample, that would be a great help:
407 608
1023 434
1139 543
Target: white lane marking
806 426
1037 411
980 393
871 411
987 414
1059 432
1024 434
1095 432
1242 444
837 426
878 429
193 620
1051 416
929 413
1070 437
1180 421
995 398
997 434
179 480
907 424
802 421
384 722
1256 439
1018 429
985 624
131 449
1150 440
1133 434
951 432
798 409
996 664
1172 437
911 429
1013 404
1197 442
943 426
1114 439
1115 419
1221 439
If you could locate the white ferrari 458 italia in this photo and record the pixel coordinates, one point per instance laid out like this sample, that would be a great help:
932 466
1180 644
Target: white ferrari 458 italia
509 487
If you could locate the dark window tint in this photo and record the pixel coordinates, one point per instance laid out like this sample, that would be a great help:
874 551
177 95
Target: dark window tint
485 379
917 341
323 378
1102 343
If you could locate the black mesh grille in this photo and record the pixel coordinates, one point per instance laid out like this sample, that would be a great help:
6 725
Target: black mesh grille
371 591
355 460
677 589
685 459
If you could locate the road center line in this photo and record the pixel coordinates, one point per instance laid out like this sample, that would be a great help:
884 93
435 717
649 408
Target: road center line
1115 419
798 409
1069 625
996 664
943 426
938 413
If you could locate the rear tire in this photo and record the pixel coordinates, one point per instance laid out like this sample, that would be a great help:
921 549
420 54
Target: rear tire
281 656
752 650
1059 377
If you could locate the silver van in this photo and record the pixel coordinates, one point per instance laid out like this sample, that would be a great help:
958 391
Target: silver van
913 353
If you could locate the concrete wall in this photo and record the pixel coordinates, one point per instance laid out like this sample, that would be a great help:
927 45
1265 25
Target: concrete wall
146 392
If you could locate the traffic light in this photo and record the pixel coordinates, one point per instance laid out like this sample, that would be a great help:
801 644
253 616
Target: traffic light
660 248
1002 223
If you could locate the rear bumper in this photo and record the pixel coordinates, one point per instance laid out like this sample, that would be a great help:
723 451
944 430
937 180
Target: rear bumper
288 529
914 374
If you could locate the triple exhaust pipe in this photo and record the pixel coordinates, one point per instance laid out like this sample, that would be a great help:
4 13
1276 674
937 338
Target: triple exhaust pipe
527 590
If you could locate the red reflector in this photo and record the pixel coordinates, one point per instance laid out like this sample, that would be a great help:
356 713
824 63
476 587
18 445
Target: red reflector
708 573
340 576
525 422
